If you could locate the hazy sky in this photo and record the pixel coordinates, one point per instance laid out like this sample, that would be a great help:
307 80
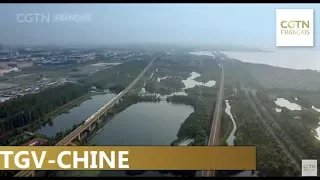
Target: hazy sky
241 24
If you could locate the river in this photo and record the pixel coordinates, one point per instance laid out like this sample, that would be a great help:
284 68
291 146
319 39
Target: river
297 58
144 123
76 115
230 140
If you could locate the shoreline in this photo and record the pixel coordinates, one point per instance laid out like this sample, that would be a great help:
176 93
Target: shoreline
49 118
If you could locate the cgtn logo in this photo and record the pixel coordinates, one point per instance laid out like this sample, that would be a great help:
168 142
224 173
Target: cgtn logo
33 17
309 168
52 17
294 27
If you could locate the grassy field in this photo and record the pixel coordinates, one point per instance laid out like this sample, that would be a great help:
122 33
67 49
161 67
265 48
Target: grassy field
35 72
31 79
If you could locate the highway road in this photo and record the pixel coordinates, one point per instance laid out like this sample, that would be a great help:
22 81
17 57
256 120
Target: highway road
71 136
214 137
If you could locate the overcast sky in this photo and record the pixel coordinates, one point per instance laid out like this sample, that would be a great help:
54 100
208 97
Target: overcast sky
240 24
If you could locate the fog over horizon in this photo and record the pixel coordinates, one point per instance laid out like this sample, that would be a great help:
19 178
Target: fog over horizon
193 25
250 25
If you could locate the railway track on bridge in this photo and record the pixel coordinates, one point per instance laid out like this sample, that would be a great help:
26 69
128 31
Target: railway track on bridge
75 133
214 137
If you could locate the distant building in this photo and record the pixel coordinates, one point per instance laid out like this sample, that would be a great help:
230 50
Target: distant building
35 142
12 65
4 71
75 58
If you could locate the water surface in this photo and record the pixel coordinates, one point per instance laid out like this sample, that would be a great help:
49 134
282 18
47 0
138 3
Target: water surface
144 124
287 104
76 115
231 138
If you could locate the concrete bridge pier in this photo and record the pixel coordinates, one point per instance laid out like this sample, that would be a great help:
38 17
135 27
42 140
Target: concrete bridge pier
99 120
79 137
72 144
93 126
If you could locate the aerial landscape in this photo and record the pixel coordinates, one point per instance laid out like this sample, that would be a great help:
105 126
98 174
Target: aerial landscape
165 92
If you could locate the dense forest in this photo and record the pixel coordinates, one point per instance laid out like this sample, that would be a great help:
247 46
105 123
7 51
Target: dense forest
196 126
21 111
34 108
116 88
175 173
272 158
299 136
133 99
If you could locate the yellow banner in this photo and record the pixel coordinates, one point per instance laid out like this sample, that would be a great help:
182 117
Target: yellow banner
127 158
